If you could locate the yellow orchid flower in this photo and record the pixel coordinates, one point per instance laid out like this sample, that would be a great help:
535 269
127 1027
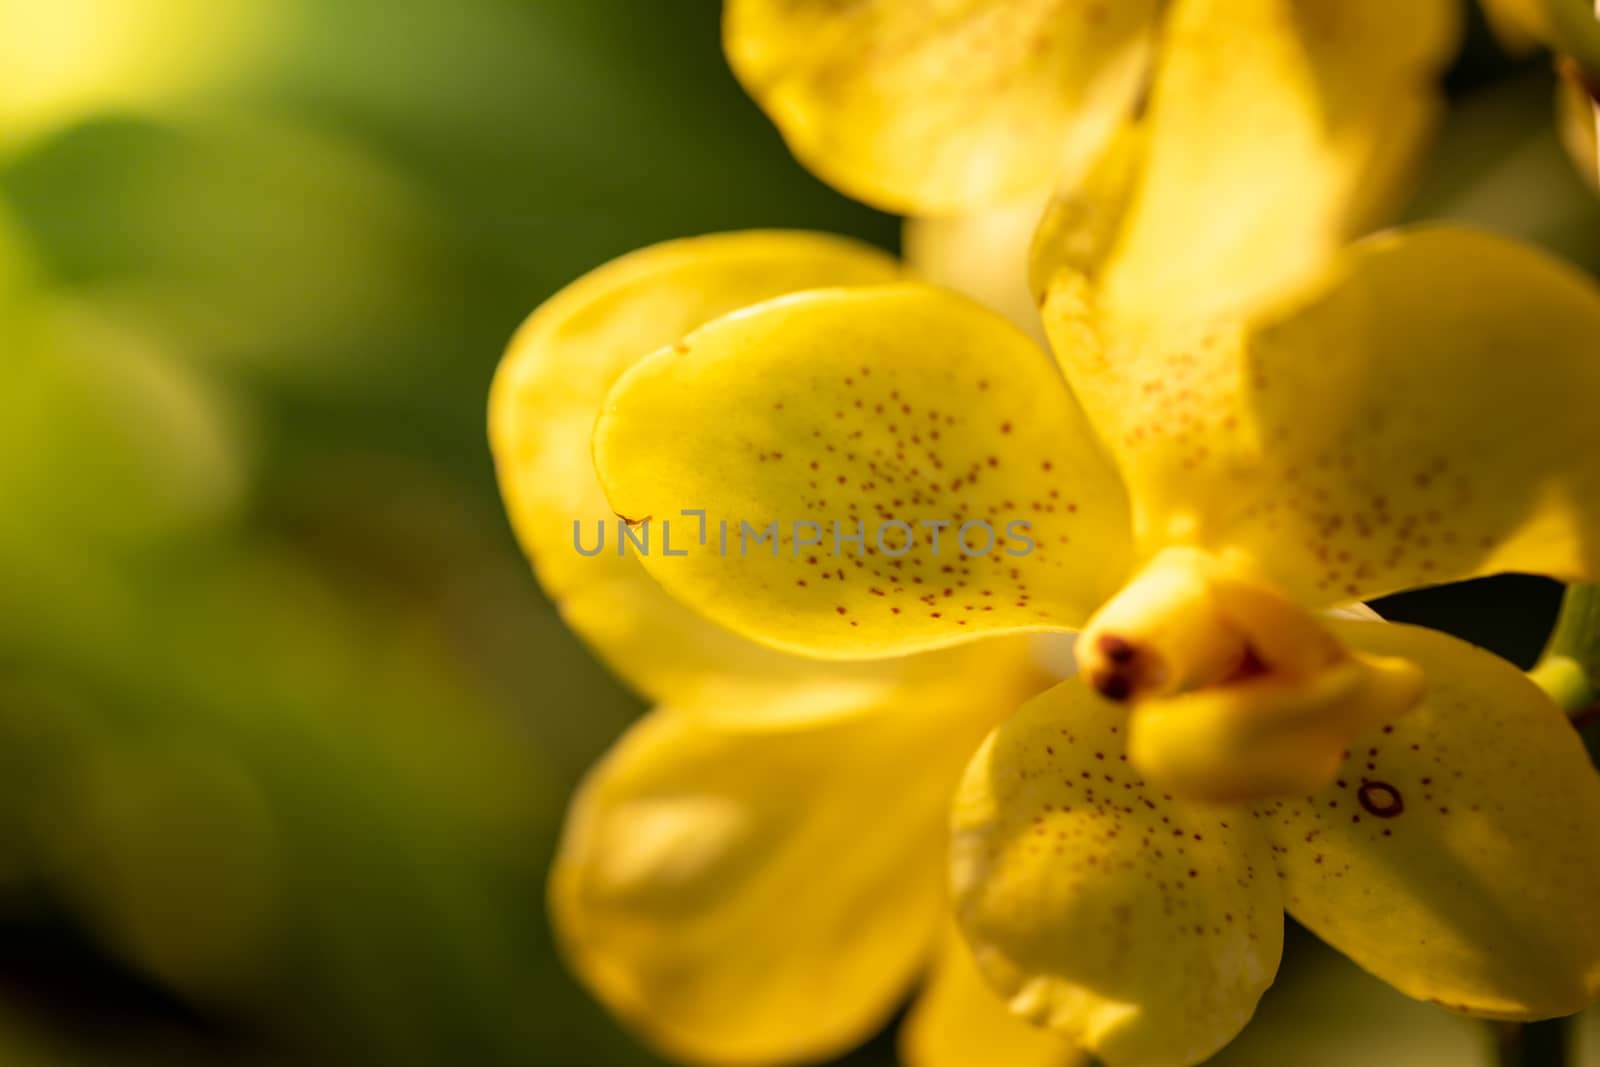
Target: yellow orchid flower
1248 421
701 889
720 693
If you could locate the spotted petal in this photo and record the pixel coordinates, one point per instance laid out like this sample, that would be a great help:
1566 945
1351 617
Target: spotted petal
1456 857
925 427
1277 131
546 398
922 107
1143 927
1452 432
764 897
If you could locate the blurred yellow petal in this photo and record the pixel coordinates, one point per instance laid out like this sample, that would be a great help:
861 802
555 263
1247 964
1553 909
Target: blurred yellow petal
105 436
1277 130
1452 433
68 59
1456 857
1145 928
764 897
983 254
1520 24
925 428
543 407
1579 114
926 108
1575 30
959 1021
273 249
1567 26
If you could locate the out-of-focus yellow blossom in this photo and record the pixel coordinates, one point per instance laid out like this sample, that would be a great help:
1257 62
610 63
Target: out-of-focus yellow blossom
939 107
1521 24
1273 422
701 889
109 438
222 232
1578 112
67 58
104 440
1524 24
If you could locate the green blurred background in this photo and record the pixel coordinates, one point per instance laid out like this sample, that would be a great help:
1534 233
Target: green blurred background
286 727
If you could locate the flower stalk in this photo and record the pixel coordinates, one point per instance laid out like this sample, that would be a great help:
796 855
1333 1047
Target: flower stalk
1569 668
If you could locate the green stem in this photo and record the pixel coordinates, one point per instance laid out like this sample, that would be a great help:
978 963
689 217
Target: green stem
1569 669
1575 30
1542 1044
